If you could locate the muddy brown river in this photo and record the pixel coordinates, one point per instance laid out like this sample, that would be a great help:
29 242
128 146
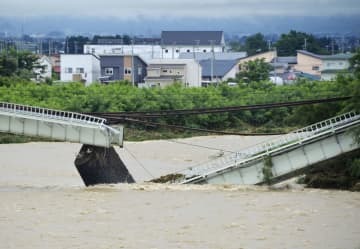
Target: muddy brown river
44 203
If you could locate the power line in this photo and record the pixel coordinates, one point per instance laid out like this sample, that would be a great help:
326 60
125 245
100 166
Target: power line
141 165
118 120
196 111
200 146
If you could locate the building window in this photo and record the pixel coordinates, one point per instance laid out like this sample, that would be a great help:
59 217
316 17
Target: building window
79 70
68 70
93 50
188 50
164 70
177 50
127 71
166 51
109 71
315 68
341 63
204 50
140 71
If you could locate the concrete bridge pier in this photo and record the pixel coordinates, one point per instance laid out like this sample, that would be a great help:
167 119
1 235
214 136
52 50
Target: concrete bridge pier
100 165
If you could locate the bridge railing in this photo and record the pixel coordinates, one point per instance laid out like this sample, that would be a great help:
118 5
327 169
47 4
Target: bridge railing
50 113
294 137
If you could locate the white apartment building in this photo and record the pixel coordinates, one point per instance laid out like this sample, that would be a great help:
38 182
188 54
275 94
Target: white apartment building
146 52
80 68
164 72
175 42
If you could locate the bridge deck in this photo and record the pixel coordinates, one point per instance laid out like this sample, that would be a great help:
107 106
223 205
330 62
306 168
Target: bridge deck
288 153
58 125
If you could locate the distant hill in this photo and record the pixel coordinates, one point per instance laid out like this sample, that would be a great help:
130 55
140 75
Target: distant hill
58 25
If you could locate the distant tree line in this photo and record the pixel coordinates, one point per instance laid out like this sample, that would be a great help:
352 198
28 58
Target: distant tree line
287 44
75 44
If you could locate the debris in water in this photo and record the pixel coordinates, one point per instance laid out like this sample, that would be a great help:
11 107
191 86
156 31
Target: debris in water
171 178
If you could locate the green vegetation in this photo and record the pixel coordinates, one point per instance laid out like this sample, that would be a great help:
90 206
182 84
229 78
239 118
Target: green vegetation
267 170
289 43
254 71
17 66
120 97
342 172
255 44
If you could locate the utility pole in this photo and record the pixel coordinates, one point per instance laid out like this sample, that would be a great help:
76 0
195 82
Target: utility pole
152 51
305 44
75 47
212 60
269 45
173 47
132 63
197 42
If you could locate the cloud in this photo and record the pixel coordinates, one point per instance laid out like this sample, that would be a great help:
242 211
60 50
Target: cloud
125 9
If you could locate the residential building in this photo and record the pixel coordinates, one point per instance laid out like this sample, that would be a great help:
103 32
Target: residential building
146 52
45 72
216 55
268 57
217 66
55 63
324 66
215 71
175 42
80 67
122 67
283 64
164 72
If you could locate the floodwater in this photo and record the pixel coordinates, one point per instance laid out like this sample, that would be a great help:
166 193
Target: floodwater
44 203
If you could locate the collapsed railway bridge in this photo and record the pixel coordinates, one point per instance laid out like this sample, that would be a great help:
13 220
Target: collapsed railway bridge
98 163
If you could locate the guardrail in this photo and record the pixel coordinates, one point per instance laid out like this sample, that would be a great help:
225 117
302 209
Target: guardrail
291 138
50 113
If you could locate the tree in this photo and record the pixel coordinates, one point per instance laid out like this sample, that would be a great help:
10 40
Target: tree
288 44
355 64
126 39
75 44
255 44
18 63
256 70
235 46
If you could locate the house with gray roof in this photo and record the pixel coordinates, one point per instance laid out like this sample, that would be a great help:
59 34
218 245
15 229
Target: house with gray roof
175 42
324 66
215 71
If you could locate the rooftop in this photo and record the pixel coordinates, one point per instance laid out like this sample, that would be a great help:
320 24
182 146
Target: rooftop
327 57
192 38
286 59
217 55
171 61
220 67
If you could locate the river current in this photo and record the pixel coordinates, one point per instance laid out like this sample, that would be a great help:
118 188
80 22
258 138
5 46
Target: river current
44 204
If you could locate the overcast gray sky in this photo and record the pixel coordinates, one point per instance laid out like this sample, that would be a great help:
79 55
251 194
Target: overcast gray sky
174 8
